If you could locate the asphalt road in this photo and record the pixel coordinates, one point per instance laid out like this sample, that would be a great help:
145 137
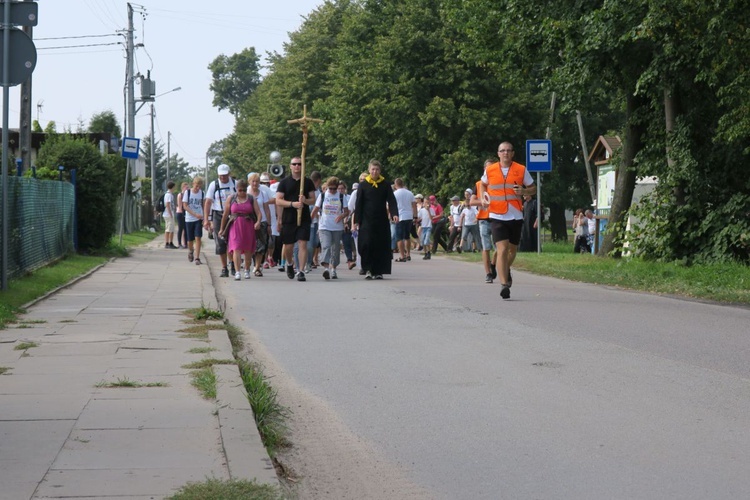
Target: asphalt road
565 391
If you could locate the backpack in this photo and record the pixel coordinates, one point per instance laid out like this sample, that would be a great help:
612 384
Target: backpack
160 205
217 190
341 199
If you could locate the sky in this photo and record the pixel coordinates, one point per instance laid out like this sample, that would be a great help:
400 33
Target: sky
180 38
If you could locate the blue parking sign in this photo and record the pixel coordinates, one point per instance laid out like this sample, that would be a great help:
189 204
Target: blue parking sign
539 155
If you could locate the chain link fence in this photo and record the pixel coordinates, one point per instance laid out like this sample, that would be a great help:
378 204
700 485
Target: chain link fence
41 223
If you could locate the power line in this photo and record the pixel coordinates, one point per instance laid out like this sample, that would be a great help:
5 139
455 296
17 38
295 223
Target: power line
71 37
79 46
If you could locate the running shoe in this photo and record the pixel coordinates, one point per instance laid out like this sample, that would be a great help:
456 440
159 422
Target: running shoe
493 268
301 276
237 277
224 272
290 272
505 292
368 275
334 276
488 279
326 274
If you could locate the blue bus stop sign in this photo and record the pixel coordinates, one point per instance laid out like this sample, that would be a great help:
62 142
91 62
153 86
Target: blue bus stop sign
130 147
539 155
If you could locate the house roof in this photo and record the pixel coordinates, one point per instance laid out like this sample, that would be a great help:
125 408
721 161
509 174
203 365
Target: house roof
604 148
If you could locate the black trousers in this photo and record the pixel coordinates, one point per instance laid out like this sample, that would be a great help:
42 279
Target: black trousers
438 235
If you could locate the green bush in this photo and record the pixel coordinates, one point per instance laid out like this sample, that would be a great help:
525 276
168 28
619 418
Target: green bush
98 186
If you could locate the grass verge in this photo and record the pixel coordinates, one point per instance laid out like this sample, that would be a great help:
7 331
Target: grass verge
270 415
27 288
25 345
227 490
727 283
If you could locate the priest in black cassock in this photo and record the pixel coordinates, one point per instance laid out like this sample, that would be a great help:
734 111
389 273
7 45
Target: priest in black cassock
374 200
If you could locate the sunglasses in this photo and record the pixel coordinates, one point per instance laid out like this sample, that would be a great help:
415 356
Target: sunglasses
296 163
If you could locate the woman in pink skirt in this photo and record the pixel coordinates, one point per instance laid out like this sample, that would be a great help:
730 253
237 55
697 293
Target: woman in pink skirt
239 223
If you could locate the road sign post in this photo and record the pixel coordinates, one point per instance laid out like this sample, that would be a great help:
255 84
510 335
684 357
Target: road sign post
539 160
17 60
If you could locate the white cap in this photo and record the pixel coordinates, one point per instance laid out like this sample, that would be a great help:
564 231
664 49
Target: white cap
469 190
223 169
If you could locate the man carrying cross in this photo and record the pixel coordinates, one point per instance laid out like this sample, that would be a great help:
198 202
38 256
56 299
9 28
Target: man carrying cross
290 198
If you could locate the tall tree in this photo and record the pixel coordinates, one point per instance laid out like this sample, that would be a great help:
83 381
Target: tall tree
234 79
106 121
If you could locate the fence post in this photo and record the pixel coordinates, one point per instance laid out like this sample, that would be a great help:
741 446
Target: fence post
75 209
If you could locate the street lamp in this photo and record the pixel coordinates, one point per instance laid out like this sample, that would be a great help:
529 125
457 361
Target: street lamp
153 176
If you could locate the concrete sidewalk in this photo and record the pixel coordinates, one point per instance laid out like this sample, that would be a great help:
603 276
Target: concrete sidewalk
62 437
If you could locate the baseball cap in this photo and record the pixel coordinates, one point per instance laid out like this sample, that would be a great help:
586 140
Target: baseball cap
223 169
264 177
455 198
420 197
432 197
469 190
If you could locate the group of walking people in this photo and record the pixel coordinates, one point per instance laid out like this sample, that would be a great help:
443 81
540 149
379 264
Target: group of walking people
251 218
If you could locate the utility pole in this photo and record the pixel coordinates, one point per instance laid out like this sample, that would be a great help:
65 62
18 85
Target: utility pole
153 170
130 79
24 123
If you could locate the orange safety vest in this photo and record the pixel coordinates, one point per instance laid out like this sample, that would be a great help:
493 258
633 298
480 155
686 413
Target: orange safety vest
482 213
500 188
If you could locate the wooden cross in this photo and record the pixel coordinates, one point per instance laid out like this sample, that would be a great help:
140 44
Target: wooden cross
303 122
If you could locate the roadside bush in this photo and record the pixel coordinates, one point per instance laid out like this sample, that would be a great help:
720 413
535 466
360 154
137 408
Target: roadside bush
97 186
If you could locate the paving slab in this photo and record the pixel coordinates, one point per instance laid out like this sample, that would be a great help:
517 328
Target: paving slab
128 483
61 436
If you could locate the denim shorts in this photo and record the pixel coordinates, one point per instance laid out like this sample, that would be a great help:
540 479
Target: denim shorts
485 231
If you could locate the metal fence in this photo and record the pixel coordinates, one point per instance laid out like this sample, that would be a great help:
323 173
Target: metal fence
41 223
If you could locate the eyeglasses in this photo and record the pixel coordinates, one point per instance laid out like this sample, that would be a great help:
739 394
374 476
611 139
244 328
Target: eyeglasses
296 163
504 150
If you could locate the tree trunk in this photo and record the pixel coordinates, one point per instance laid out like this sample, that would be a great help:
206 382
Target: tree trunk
557 223
626 176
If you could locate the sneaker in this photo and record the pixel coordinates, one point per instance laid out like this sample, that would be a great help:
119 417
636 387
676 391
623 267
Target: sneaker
326 274
361 272
301 276
290 272
334 276
234 271
237 276
368 275
247 275
408 258
427 256
510 279
493 268
224 272
171 245
488 279
308 268
505 292
378 276
197 261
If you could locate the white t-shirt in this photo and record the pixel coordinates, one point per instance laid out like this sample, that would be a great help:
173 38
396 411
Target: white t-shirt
592 225
513 213
404 199
470 216
262 200
219 196
425 217
195 203
456 214
272 189
168 199
352 204
331 208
